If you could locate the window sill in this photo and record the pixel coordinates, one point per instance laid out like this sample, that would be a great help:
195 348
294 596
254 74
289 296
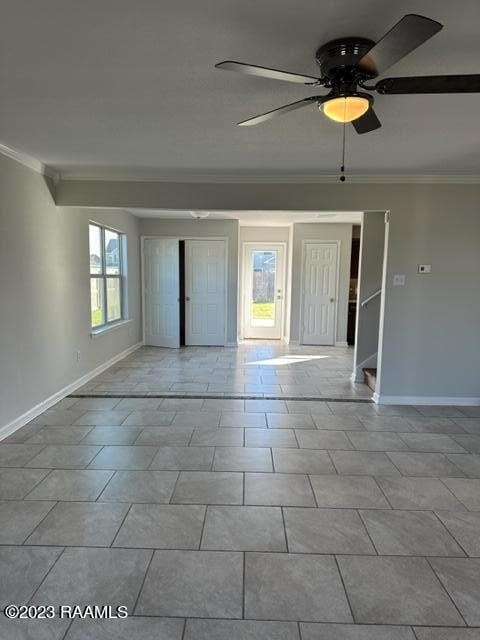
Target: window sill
94 333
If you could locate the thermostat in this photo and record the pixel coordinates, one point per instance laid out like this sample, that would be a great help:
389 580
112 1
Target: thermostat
424 268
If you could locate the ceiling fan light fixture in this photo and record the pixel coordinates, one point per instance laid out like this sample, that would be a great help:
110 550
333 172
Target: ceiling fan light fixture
346 108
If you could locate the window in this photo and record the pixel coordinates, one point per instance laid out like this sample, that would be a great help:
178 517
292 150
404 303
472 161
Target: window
107 275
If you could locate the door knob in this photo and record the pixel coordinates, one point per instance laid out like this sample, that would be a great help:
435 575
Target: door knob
187 299
332 299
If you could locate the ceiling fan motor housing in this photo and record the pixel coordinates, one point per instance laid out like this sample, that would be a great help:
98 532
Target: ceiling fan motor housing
338 60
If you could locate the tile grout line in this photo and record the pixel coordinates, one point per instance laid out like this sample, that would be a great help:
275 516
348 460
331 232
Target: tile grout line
69 626
344 588
451 491
184 630
312 489
200 542
299 631
42 520
49 472
174 488
282 510
296 437
244 584
446 591
366 528
129 508
383 492
63 549
467 555
102 491
239 396
152 552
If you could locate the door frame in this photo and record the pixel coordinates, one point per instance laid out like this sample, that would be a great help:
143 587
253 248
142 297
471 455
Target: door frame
243 280
338 244
183 237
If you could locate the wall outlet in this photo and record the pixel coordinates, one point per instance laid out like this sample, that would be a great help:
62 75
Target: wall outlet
399 280
424 268
77 355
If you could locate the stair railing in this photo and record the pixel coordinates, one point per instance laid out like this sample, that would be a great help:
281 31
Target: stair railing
367 300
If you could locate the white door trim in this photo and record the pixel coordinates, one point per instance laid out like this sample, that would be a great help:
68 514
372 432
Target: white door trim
243 279
338 244
170 237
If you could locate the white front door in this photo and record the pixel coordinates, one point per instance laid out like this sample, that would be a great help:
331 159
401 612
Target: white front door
263 291
319 293
205 292
162 290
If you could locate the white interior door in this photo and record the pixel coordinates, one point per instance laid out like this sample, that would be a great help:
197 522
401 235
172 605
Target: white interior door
162 290
319 293
205 292
263 291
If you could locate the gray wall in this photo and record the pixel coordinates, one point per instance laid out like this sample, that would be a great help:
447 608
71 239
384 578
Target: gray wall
322 232
199 229
44 292
372 244
264 234
431 334
430 338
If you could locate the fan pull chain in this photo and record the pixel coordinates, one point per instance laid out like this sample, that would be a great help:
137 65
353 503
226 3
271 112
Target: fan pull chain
342 168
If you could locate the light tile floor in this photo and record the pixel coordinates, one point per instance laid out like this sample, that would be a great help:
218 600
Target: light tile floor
254 368
214 519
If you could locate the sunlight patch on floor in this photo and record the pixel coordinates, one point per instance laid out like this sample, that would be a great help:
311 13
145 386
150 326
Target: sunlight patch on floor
283 360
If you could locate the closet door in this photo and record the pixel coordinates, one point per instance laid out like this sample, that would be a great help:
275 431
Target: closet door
162 290
205 292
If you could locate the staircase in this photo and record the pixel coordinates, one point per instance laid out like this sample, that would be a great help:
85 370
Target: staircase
370 377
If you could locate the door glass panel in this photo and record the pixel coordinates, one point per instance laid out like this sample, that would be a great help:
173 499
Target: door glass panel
96 305
114 309
264 266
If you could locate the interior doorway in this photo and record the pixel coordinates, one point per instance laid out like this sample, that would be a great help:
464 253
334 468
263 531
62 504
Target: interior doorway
184 292
319 293
264 290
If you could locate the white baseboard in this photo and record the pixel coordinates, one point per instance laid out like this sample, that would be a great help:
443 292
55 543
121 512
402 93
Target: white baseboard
427 400
232 344
368 363
39 408
294 343
341 343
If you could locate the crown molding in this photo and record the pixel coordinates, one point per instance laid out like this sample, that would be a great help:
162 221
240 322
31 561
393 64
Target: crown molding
235 178
212 178
30 162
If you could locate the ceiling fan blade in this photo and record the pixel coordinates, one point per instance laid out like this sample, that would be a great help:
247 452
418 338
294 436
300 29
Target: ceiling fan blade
368 122
408 34
266 72
277 112
430 84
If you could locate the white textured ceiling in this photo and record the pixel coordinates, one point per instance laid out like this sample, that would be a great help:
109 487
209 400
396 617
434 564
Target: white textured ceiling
127 88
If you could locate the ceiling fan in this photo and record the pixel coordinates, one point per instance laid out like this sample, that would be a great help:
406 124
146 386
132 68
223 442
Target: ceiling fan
348 65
